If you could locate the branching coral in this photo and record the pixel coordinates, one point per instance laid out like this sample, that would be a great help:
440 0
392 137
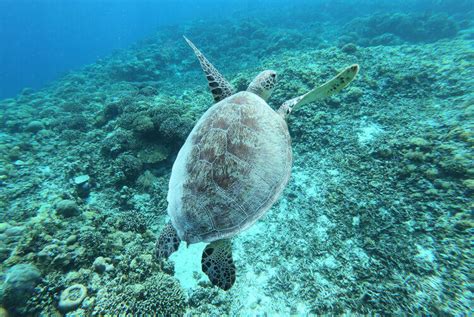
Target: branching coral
159 295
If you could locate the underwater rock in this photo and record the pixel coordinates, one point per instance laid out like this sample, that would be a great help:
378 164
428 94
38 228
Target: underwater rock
154 153
469 184
48 253
76 122
82 185
148 91
102 265
127 167
349 48
113 109
142 124
72 297
354 94
81 179
118 141
19 286
67 208
34 126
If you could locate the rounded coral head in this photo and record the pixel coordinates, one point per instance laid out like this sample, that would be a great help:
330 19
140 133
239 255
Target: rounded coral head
263 84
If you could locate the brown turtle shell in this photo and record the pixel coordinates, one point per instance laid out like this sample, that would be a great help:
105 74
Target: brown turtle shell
232 168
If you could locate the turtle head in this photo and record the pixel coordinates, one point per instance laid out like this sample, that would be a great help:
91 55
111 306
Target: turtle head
263 84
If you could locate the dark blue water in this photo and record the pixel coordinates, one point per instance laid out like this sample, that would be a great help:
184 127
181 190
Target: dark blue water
42 39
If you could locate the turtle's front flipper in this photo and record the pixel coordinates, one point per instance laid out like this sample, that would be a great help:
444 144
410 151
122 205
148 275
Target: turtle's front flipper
218 265
220 87
339 82
167 242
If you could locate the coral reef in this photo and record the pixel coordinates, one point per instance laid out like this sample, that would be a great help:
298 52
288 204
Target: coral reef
159 294
376 217
393 29
72 297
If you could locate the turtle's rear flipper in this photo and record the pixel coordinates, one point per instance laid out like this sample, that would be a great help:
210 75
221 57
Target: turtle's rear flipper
167 242
218 265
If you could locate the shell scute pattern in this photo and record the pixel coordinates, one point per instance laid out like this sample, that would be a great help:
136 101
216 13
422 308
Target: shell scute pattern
231 174
251 118
228 170
256 197
213 145
242 142
224 217
201 170
197 218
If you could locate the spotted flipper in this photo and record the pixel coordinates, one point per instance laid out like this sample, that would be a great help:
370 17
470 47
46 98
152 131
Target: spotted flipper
218 265
220 87
339 82
167 242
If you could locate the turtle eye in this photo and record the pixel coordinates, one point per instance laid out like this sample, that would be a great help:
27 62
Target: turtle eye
273 75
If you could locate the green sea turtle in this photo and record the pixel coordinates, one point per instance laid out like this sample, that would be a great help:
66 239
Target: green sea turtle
232 168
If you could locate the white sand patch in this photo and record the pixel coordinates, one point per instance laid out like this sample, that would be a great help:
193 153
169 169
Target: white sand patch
251 297
321 228
368 133
187 265
306 180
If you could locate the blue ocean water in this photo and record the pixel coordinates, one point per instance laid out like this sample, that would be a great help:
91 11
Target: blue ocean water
41 40
341 176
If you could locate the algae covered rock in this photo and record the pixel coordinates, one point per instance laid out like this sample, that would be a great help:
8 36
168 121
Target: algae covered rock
34 126
128 168
153 153
102 265
82 185
19 286
349 48
67 208
118 141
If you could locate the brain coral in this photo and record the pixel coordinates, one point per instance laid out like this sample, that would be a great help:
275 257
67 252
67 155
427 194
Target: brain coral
72 297
159 295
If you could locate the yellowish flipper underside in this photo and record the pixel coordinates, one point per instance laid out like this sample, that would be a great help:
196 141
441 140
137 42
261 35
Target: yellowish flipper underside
333 86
